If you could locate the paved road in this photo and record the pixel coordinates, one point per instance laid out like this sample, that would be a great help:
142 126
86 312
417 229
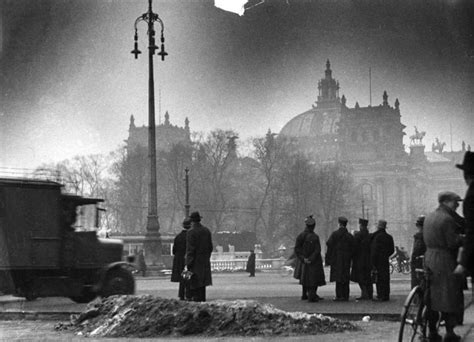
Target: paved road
282 291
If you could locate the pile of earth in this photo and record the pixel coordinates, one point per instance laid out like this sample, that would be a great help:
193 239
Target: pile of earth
149 316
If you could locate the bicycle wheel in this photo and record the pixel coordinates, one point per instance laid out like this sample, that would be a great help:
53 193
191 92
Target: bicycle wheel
406 267
413 322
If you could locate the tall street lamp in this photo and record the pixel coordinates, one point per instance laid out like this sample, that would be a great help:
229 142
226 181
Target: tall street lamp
152 244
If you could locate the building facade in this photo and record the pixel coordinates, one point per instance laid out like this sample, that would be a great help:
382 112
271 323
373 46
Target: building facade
392 183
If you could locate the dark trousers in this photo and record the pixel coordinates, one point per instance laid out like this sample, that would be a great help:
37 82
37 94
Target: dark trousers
342 290
310 293
184 291
198 294
367 290
383 289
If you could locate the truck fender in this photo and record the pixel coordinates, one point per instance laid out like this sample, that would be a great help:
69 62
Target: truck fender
106 269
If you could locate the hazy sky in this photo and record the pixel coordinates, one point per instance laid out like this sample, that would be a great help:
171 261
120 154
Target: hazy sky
69 83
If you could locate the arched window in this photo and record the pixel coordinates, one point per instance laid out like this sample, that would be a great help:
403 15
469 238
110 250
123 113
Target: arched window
367 191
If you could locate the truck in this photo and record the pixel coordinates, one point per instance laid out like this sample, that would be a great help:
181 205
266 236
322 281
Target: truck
49 245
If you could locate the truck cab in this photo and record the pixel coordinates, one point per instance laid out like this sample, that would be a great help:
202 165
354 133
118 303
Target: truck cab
49 244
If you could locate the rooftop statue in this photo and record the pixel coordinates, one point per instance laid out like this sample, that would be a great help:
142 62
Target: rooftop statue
416 139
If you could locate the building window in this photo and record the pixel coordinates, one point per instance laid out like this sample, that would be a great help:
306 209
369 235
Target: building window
367 192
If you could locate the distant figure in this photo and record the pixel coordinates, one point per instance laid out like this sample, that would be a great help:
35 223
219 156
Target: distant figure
400 255
339 253
198 257
179 251
442 243
141 263
418 250
309 267
361 263
251 264
381 248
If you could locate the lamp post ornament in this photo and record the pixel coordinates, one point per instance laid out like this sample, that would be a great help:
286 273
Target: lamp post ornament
152 244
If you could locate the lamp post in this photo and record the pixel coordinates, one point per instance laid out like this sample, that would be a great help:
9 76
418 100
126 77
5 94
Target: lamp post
186 183
152 244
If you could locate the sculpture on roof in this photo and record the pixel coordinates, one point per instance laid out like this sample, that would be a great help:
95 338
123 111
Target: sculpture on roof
417 138
438 146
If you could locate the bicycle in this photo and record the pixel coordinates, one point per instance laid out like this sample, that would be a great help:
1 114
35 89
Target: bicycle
414 317
402 267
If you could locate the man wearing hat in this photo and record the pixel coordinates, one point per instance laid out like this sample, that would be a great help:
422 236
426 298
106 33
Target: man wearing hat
309 268
361 266
466 262
381 248
179 252
198 257
339 253
418 250
442 243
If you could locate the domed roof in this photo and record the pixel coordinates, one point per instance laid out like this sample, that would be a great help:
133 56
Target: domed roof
310 124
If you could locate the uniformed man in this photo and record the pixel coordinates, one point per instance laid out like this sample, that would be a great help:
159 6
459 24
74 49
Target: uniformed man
339 253
361 266
381 248
309 269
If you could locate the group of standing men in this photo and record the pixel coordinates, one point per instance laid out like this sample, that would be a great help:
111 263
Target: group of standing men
362 258
192 250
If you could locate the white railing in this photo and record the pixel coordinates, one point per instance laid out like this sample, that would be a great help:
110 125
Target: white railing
239 265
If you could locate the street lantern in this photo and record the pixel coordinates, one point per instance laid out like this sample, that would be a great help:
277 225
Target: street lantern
152 244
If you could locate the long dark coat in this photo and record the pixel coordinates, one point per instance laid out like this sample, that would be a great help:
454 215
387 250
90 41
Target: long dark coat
307 246
442 243
361 265
467 257
198 255
179 252
250 264
339 253
381 248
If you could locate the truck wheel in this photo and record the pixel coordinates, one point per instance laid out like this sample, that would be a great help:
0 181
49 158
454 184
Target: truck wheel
118 282
86 296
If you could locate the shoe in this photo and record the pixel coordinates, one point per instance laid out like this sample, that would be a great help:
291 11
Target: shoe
313 300
340 299
434 337
451 338
319 298
362 298
304 297
380 299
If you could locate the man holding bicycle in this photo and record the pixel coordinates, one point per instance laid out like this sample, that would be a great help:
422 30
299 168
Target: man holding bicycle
442 243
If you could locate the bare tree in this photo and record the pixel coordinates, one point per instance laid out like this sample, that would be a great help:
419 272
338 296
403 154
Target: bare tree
212 171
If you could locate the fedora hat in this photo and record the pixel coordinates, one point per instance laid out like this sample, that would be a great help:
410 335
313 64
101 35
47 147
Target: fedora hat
363 222
468 163
448 196
195 216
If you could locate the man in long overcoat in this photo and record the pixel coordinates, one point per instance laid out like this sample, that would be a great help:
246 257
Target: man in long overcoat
309 269
418 250
361 266
339 253
250 268
179 252
466 262
198 257
442 243
381 248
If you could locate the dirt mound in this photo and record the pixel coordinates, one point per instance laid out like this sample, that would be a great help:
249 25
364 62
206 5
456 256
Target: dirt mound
149 316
